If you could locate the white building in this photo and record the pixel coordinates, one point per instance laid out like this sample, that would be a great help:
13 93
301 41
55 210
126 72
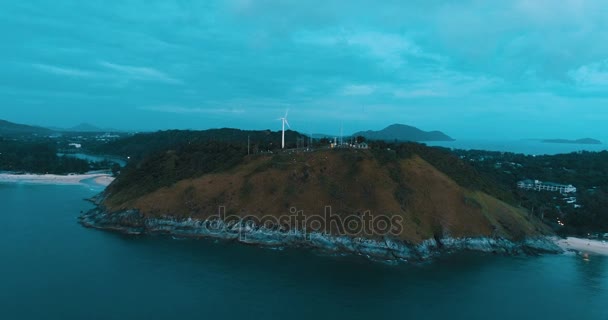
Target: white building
362 145
546 186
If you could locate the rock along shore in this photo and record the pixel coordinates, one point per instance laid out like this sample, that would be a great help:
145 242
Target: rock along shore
386 249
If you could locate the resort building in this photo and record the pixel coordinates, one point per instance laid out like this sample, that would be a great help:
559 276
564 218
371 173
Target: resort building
362 145
547 186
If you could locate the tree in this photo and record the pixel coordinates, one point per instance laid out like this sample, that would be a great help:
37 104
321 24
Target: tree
115 169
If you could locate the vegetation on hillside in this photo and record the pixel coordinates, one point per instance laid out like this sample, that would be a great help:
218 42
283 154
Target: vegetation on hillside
195 178
138 146
45 155
202 154
37 157
163 158
461 171
587 171
164 168
350 181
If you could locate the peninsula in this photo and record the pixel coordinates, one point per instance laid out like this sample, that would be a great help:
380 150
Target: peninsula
421 201
579 141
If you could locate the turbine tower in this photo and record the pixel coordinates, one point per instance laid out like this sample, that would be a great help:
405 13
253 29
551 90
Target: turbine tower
285 122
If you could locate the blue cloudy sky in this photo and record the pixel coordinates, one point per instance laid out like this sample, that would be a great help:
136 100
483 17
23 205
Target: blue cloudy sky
491 69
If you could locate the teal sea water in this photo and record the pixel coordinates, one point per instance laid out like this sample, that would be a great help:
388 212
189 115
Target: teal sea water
52 268
95 158
531 147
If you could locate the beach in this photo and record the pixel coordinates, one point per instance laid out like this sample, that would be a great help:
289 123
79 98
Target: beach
583 245
74 179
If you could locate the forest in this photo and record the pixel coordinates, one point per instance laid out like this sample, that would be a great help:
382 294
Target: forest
587 171
37 157
140 145
42 156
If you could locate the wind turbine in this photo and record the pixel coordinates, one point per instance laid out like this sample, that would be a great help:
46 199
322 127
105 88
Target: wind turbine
285 122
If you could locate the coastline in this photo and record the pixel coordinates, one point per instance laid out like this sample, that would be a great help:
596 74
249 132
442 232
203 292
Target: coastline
583 246
101 179
381 249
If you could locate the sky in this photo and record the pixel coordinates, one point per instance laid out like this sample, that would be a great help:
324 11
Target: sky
473 69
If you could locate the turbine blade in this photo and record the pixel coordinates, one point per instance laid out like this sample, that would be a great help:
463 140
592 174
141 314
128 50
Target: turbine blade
286 113
287 123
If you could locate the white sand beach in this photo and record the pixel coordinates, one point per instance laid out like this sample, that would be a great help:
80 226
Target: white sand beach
583 245
75 179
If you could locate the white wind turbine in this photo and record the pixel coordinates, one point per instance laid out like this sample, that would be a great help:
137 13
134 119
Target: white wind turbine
285 122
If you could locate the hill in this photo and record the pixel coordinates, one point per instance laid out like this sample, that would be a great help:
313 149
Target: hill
139 145
179 191
400 132
579 141
85 127
10 129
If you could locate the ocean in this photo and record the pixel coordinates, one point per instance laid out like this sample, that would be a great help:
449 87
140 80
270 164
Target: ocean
53 268
531 147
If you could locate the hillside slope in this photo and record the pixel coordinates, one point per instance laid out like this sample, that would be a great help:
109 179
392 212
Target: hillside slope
431 204
9 129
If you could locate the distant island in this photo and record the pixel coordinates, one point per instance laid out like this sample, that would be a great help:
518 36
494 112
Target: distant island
579 141
401 132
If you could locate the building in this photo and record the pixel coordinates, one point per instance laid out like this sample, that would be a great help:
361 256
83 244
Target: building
362 145
546 186
345 145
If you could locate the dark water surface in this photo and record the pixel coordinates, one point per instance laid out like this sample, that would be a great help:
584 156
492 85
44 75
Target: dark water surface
531 147
52 268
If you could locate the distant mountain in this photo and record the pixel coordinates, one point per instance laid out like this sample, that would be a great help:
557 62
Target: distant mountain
321 135
87 127
401 132
579 141
14 129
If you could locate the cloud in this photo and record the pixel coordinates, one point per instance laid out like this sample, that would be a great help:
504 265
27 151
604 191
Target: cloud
416 93
358 90
400 58
115 71
391 49
591 75
64 71
140 73
196 110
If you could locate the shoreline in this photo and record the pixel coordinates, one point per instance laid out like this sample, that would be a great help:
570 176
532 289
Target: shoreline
386 249
101 179
583 246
